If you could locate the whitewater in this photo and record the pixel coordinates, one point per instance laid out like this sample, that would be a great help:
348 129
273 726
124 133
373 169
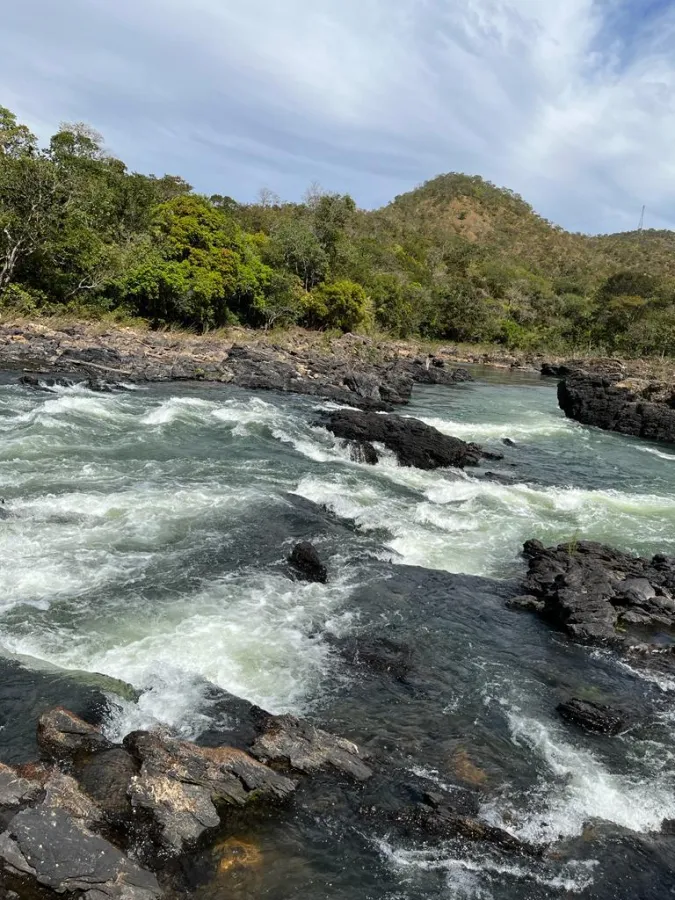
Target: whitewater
143 542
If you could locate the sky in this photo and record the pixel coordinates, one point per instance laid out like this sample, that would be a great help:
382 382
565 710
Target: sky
571 103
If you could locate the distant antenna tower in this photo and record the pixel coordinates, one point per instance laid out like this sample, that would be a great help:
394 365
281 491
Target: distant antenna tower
642 220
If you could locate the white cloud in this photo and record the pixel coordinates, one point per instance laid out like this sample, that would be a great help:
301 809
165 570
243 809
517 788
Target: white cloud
571 104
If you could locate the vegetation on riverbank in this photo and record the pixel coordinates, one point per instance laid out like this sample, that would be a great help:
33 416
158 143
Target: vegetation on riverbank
457 259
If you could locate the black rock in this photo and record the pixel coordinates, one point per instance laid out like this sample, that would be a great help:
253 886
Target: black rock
413 442
361 451
594 717
378 654
602 400
307 563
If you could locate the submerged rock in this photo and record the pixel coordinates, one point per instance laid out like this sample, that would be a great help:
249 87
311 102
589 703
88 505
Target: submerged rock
595 593
305 748
375 653
306 561
414 443
642 409
594 717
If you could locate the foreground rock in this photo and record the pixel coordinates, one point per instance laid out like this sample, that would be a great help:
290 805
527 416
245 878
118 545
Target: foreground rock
594 717
597 594
414 443
303 748
636 407
307 564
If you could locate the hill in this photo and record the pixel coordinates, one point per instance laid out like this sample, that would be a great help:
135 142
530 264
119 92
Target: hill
457 258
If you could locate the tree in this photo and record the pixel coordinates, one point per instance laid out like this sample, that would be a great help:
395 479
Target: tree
342 304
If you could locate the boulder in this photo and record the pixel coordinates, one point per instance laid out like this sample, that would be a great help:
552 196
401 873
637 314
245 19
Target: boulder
304 748
306 562
414 443
608 401
51 848
596 593
377 654
180 786
60 734
16 790
106 776
593 717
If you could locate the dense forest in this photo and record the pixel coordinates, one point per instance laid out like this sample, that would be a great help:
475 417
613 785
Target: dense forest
457 258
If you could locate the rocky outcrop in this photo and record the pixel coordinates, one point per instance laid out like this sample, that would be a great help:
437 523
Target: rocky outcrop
636 407
594 717
597 594
306 563
415 443
181 786
304 748
61 734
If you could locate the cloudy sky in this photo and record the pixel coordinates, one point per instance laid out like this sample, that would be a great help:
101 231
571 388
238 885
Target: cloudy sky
569 102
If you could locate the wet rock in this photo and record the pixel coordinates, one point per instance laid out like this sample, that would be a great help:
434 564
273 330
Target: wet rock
433 370
51 848
594 592
413 442
181 786
594 717
645 410
43 383
380 655
304 748
106 776
508 442
60 734
16 790
306 561
526 602
362 452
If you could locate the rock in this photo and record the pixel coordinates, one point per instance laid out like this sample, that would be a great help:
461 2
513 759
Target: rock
307 563
60 734
181 786
304 748
609 402
50 847
106 776
594 717
527 603
43 383
413 442
508 442
361 451
16 790
377 654
594 592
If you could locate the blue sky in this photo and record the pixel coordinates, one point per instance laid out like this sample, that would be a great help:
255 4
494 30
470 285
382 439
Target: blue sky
569 102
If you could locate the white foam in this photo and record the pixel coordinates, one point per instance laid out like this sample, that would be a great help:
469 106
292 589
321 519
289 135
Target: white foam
577 789
659 453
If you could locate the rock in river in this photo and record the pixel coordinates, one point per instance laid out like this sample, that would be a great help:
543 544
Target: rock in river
415 443
306 562
594 717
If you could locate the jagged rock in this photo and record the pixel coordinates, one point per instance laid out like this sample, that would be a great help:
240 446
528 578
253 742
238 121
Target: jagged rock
307 563
44 383
106 776
57 851
180 785
413 442
60 733
594 717
15 789
645 410
304 748
594 592
527 602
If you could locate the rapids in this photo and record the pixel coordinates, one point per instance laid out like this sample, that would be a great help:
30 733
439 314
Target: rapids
144 542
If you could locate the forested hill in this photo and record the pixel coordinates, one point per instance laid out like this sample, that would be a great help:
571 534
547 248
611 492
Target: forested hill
457 258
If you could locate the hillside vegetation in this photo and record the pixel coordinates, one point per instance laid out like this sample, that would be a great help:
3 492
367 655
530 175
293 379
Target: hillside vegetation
457 258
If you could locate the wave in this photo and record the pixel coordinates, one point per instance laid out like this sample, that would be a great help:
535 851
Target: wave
654 452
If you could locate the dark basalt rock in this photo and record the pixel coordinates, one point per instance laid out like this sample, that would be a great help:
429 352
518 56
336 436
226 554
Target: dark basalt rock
594 717
380 655
433 370
304 748
646 411
362 452
55 850
596 593
306 561
413 442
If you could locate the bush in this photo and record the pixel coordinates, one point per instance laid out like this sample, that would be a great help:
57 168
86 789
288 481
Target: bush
342 304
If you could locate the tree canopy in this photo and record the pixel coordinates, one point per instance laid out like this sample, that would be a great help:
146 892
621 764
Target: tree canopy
457 258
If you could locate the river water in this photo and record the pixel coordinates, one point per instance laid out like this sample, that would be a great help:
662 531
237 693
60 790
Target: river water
146 540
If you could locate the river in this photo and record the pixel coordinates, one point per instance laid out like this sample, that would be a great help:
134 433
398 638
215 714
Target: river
146 539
